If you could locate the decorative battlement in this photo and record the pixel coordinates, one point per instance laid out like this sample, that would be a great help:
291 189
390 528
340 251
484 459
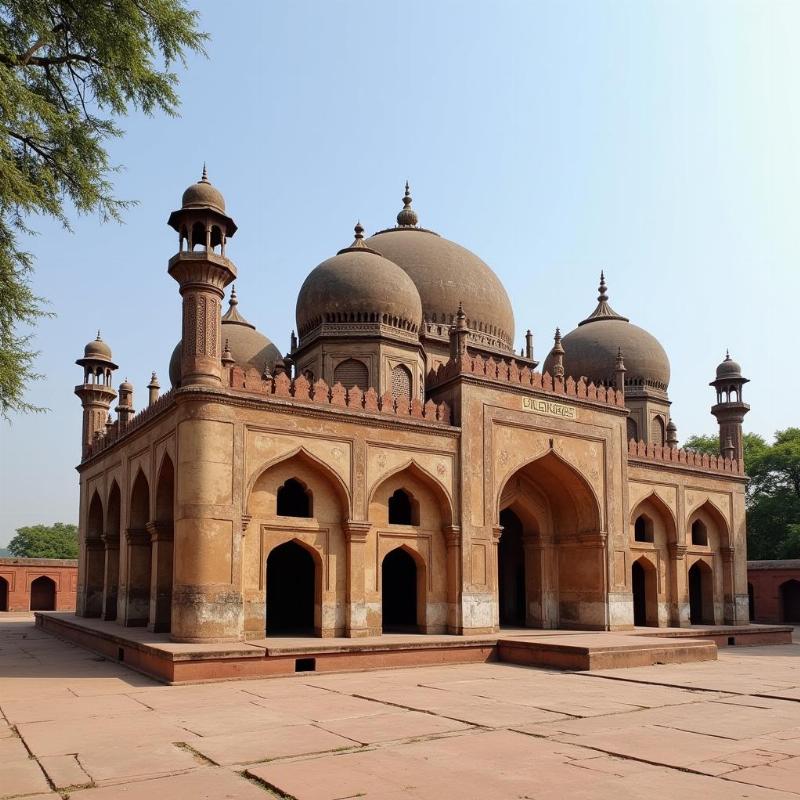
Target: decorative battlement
508 372
319 393
683 458
116 431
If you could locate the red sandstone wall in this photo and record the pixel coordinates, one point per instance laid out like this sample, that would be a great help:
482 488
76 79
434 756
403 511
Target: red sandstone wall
766 592
19 574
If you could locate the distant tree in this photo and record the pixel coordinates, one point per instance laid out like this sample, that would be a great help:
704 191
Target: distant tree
45 541
67 69
773 493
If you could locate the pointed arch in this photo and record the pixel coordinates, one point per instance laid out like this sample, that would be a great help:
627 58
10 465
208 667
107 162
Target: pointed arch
139 507
165 489
554 474
93 558
414 469
709 508
304 456
403 590
666 513
94 519
294 576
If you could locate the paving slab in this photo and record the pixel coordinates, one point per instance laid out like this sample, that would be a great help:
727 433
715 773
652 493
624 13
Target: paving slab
21 776
64 771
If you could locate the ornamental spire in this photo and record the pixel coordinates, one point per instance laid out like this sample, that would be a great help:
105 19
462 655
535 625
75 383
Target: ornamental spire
407 218
603 309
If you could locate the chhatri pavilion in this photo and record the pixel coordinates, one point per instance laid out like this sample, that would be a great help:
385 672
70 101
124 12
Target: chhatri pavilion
403 467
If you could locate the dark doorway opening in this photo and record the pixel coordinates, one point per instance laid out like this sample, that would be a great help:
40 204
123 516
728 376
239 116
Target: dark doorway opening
511 570
291 582
701 595
401 509
3 594
751 601
790 601
399 592
43 594
293 500
639 586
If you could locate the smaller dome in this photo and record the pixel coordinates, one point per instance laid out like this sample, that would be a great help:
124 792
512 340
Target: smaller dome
97 348
249 348
126 386
358 285
728 368
203 195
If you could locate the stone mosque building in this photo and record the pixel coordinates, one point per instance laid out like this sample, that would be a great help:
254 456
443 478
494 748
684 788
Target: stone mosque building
403 467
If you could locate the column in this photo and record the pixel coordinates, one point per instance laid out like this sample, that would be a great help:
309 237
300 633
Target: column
137 586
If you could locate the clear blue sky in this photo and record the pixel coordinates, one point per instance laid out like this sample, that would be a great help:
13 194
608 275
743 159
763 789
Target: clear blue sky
656 140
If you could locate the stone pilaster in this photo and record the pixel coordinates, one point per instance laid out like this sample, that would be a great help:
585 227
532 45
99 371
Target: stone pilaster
161 541
137 584
110 576
356 533
452 537
679 588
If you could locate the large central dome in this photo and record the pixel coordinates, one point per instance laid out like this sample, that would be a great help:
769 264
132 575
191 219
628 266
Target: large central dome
445 275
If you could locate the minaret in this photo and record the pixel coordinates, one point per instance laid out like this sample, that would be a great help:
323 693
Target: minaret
672 434
152 389
202 275
458 332
529 345
96 392
124 408
619 372
729 408
558 355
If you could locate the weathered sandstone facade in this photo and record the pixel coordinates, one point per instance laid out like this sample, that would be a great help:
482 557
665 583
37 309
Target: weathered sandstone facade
402 467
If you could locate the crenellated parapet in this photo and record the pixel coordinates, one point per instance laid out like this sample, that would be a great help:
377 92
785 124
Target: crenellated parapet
300 390
684 458
509 372
113 433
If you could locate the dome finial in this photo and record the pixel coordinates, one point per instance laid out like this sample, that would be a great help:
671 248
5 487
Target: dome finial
204 176
98 339
603 289
407 218
359 231
603 310
727 353
234 300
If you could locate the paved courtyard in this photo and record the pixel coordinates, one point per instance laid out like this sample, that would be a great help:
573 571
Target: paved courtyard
75 725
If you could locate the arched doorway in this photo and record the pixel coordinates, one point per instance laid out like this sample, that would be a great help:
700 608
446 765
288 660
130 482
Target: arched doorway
95 559
3 594
161 543
291 585
701 594
139 553
111 539
564 571
43 594
399 591
511 571
645 593
790 601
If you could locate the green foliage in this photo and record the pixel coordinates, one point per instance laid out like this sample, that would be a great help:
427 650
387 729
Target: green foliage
773 494
45 541
67 69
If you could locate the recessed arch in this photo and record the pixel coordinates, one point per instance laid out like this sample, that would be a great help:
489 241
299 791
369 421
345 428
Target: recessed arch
656 503
3 594
701 593
303 456
294 499
293 583
789 592
43 594
403 590
139 509
555 474
413 469
644 589
709 507
94 559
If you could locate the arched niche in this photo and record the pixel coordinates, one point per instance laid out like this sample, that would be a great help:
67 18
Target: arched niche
403 590
322 533
94 559
569 565
431 513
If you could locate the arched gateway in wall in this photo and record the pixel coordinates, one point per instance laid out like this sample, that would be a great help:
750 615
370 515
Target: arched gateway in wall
550 570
